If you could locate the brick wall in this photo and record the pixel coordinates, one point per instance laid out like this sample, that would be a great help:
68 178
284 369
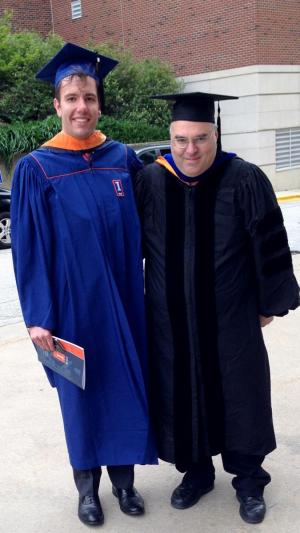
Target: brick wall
278 32
29 15
194 36
101 21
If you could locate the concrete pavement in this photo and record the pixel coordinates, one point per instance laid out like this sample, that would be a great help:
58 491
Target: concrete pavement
37 494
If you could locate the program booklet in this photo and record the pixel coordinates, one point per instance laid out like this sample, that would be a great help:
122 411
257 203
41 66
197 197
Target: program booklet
67 360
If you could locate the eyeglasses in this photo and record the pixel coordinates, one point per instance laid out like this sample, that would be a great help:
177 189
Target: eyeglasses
182 142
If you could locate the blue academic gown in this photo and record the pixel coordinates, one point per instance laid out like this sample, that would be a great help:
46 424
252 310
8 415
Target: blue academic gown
77 259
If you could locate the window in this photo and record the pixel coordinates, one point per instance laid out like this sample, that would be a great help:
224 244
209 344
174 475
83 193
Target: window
76 9
287 148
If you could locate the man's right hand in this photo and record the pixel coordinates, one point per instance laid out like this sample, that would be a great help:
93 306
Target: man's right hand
42 337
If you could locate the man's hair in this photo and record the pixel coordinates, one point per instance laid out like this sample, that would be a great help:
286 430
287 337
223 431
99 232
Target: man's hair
214 126
83 76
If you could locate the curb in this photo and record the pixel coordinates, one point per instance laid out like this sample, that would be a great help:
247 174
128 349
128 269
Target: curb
286 197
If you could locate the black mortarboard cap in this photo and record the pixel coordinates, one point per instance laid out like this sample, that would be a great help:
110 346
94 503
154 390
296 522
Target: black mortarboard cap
71 59
195 107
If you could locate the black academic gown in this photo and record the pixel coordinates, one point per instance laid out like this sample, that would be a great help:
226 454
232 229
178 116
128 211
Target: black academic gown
217 257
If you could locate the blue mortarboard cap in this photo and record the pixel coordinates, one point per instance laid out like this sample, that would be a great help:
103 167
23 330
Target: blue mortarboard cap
71 59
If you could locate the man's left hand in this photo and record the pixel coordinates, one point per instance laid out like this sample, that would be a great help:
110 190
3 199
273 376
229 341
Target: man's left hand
265 320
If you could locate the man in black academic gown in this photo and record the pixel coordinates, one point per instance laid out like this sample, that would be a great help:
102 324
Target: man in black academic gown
218 268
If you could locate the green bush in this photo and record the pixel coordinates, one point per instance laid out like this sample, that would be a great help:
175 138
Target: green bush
132 131
21 138
131 84
127 88
22 54
26 108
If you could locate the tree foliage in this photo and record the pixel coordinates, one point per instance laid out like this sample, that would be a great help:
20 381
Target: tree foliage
131 84
127 88
22 54
23 137
27 116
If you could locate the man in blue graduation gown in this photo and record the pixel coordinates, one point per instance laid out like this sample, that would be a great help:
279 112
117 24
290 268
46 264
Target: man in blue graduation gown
77 259
217 268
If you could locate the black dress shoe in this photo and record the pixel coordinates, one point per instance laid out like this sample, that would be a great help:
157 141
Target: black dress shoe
252 508
90 511
187 494
130 501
